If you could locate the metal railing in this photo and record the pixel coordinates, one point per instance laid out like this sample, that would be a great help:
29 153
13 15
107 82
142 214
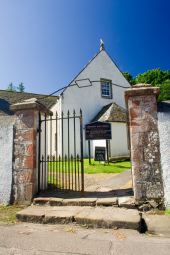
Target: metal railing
60 157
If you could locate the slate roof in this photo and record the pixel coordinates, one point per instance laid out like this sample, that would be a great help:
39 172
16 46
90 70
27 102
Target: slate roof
111 113
7 98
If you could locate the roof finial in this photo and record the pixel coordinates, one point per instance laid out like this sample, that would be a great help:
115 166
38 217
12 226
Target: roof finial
101 45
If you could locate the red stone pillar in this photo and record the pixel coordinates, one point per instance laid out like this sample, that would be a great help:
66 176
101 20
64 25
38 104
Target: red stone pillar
25 150
144 142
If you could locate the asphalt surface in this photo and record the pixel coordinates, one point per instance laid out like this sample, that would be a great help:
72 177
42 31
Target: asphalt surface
36 239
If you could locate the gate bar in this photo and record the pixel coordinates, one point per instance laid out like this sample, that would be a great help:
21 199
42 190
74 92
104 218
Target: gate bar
81 146
39 150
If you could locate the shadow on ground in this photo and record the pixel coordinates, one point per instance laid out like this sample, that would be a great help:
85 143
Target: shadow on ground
93 194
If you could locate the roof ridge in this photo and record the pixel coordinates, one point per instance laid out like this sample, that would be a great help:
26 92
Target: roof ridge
18 92
83 68
90 61
109 113
119 106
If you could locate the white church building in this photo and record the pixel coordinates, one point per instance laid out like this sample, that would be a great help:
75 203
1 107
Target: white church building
98 90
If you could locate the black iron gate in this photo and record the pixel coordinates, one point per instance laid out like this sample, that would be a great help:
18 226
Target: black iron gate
60 157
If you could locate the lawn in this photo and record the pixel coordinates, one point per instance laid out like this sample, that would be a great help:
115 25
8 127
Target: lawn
96 167
8 214
167 212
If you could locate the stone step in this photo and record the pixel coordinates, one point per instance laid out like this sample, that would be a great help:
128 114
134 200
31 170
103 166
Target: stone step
157 224
105 217
127 202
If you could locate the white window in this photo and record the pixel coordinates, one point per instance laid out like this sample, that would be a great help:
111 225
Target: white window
106 89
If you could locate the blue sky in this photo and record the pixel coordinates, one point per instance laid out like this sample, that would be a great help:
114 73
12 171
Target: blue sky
45 43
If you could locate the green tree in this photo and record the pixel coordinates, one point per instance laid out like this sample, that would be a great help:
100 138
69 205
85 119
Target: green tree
164 91
157 77
153 77
21 87
128 77
11 87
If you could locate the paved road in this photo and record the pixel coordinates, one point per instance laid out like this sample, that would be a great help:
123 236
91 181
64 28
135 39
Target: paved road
36 239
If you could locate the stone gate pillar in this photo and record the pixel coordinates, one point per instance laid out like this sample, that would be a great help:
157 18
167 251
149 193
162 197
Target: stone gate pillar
144 143
25 149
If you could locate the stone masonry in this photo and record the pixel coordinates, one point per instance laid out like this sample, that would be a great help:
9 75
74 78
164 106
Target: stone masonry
24 156
144 142
25 150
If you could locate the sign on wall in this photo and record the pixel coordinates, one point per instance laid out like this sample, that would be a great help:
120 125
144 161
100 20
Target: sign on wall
98 131
100 154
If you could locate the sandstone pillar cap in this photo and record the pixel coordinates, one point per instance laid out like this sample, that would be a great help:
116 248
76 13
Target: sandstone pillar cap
30 104
142 90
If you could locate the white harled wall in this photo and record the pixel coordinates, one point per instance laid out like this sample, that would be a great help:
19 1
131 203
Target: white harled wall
164 135
6 157
119 142
90 101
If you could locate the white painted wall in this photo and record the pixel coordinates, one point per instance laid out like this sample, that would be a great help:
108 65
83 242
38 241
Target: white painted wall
119 142
97 143
89 98
164 134
6 155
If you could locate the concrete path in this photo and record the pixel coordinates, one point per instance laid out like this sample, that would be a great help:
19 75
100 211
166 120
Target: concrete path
37 239
108 182
98 186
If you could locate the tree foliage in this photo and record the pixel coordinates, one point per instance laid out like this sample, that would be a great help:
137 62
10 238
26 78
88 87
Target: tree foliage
164 91
128 77
21 87
155 77
13 88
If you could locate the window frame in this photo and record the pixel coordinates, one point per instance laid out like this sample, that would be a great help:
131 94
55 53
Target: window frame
102 80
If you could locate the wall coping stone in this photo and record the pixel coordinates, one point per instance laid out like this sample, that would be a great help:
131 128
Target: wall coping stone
29 104
141 90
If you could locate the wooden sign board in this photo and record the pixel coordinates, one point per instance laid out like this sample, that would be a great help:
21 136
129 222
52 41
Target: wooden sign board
100 154
98 131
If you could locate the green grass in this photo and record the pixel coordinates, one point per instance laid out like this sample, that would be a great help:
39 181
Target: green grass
8 214
167 212
96 167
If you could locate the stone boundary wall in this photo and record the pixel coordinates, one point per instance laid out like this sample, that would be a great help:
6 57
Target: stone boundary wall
24 164
164 134
144 143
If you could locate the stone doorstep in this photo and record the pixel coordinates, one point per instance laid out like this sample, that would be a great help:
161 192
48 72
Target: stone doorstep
47 201
29 215
79 201
55 201
109 217
110 201
157 224
61 215
126 202
76 201
41 201
105 217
